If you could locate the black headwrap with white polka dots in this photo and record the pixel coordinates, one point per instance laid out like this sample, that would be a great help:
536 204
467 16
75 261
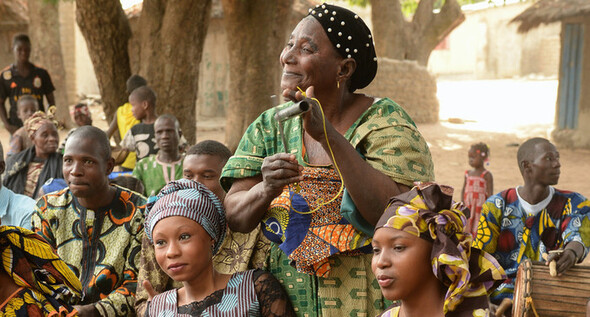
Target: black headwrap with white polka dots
352 39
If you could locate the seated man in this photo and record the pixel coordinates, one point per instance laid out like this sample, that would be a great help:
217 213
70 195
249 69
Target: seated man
157 170
15 209
529 220
95 227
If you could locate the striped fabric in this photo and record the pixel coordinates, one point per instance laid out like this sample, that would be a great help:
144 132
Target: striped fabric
188 199
239 299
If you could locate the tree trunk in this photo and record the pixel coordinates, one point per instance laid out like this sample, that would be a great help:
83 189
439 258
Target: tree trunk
46 51
256 32
172 36
397 38
106 30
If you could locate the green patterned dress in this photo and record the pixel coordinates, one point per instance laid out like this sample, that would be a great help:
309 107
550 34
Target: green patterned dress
387 138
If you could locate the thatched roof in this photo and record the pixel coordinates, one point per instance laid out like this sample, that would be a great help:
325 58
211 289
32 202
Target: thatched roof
548 11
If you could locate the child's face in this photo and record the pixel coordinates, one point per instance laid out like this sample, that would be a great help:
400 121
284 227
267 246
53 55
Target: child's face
475 158
183 248
82 119
401 263
26 109
137 107
166 135
205 169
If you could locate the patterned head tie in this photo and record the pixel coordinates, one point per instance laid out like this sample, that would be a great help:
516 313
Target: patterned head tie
351 37
428 212
188 199
37 120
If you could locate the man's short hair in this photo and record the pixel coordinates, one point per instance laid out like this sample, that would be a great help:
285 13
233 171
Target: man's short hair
526 151
134 82
168 116
210 147
21 38
145 93
94 134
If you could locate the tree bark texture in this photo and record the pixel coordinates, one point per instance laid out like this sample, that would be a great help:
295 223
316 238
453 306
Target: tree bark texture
172 36
256 32
398 38
46 51
106 30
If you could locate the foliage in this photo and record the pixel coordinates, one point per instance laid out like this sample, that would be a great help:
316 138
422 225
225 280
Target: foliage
409 6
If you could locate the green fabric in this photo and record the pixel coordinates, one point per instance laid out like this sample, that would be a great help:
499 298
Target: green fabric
150 171
387 138
384 135
350 290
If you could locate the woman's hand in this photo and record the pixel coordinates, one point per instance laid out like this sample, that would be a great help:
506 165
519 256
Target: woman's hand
279 171
149 289
313 120
248 199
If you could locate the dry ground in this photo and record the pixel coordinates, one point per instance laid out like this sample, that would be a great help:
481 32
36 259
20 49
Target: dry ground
501 113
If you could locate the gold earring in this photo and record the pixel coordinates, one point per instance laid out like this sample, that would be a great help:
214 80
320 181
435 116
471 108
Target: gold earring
338 84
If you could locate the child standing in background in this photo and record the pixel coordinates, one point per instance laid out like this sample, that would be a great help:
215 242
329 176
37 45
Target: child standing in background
478 184
26 106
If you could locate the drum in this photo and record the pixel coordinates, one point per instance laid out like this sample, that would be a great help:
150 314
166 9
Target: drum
561 296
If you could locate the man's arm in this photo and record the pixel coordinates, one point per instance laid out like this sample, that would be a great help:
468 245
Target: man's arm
488 228
114 130
50 99
4 117
576 247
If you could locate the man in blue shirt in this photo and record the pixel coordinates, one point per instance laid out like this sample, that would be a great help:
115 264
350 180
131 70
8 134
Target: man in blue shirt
15 209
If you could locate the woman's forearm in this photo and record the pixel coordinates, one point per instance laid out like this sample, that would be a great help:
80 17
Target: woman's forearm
245 204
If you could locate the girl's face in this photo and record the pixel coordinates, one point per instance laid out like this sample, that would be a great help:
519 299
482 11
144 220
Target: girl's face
475 158
401 263
183 248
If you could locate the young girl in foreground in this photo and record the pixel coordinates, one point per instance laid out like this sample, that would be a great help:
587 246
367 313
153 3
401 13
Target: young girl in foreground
186 224
423 258
478 184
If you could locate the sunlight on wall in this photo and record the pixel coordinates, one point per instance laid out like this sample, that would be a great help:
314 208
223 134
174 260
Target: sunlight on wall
499 105
129 3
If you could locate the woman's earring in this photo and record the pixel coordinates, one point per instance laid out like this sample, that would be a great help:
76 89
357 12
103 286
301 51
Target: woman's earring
338 84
